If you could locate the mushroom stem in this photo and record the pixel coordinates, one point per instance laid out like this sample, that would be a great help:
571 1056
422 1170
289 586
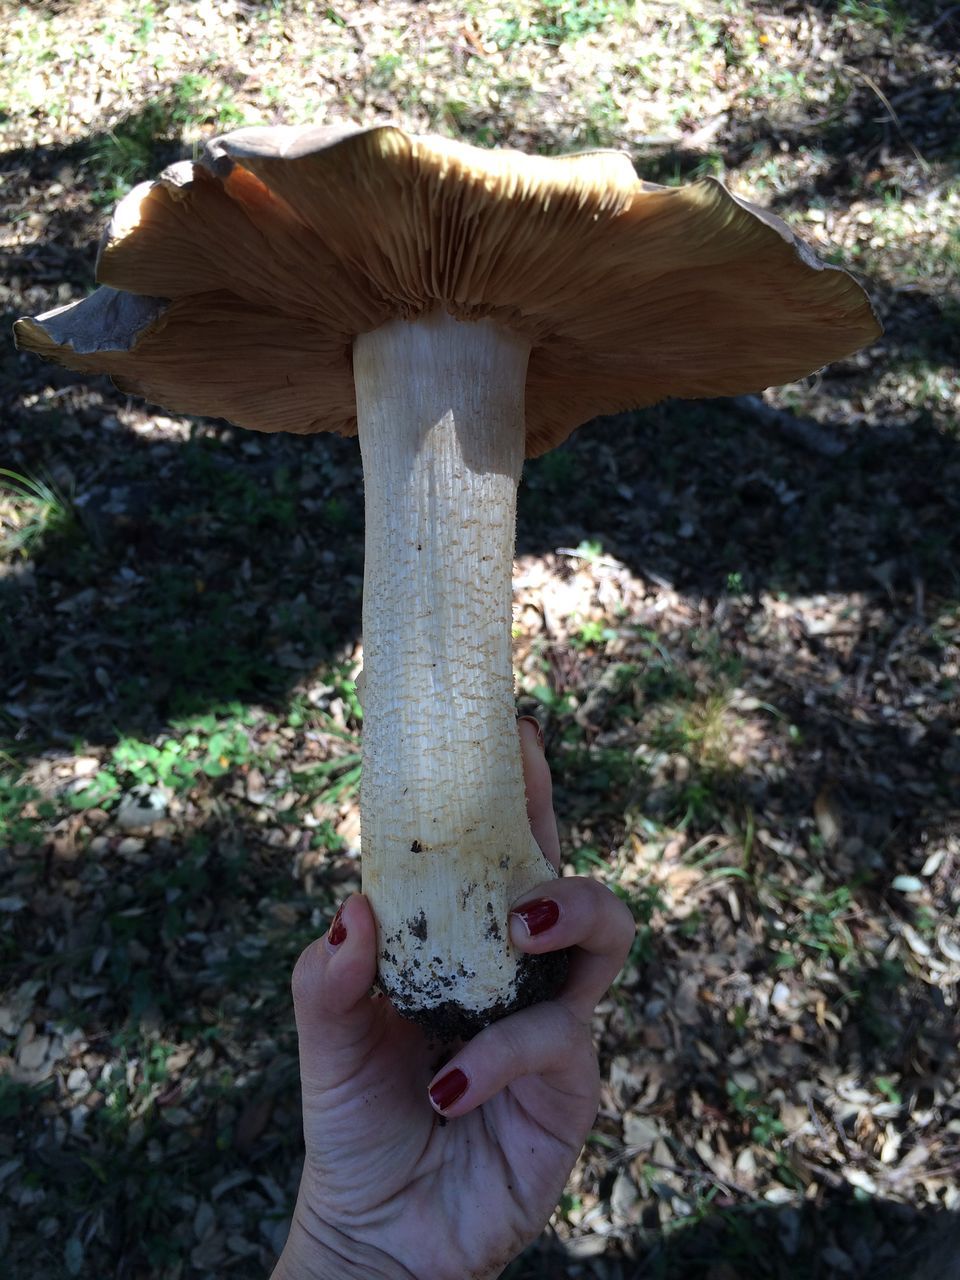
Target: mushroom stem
445 836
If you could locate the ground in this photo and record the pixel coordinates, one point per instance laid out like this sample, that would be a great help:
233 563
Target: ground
737 621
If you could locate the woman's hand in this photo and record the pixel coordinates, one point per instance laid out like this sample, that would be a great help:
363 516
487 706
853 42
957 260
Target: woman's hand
443 1170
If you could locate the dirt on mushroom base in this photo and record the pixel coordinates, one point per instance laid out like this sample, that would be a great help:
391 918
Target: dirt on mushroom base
447 1021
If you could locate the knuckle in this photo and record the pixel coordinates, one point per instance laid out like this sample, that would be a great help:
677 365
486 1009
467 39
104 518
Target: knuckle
623 927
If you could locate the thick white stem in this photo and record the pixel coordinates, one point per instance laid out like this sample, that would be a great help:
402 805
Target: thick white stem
445 839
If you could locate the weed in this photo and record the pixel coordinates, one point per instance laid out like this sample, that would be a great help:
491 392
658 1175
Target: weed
553 22
127 154
590 550
199 99
644 901
146 15
339 778
823 927
886 1086
591 634
764 1125
585 858
560 704
21 810
661 679
384 70
888 14
346 688
42 514
209 749
603 123
136 147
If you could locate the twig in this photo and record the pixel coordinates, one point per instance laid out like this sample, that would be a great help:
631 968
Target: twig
872 84
945 17
817 1122
702 1175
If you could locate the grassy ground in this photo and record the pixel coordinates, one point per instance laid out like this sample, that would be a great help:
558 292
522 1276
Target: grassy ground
742 638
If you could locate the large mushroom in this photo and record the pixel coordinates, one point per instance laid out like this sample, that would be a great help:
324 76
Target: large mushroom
460 309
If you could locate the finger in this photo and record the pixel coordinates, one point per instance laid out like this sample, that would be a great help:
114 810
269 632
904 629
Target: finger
546 1041
331 985
536 779
579 914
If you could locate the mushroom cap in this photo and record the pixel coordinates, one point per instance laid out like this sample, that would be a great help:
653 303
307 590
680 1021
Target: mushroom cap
234 286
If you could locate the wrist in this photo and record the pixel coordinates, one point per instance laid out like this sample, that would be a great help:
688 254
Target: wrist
317 1251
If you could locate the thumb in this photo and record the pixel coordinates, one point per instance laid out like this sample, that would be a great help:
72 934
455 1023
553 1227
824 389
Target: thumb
331 994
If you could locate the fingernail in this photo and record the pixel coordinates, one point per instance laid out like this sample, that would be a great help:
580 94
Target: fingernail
445 1091
536 724
337 932
538 916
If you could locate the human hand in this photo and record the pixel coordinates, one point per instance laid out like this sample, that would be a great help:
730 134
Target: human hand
436 1169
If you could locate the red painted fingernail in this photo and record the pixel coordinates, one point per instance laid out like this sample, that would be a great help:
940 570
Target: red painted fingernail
448 1089
538 916
337 932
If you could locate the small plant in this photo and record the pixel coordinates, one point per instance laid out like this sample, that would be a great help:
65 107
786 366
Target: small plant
209 749
591 634
384 70
197 100
765 1126
41 512
823 926
886 1086
126 154
643 901
20 809
559 703
887 14
338 778
146 20
553 22
603 122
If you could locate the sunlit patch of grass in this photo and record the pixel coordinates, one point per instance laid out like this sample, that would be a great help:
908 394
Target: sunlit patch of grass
137 146
701 730
202 746
904 240
553 22
917 239
198 99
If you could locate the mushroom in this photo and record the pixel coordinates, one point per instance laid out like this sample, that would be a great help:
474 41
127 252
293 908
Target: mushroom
459 309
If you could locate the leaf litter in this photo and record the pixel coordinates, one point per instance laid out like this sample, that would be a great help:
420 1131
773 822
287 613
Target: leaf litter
742 639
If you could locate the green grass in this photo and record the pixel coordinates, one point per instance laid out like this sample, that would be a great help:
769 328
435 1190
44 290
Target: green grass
890 16
554 22
758 1116
140 145
21 812
43 514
